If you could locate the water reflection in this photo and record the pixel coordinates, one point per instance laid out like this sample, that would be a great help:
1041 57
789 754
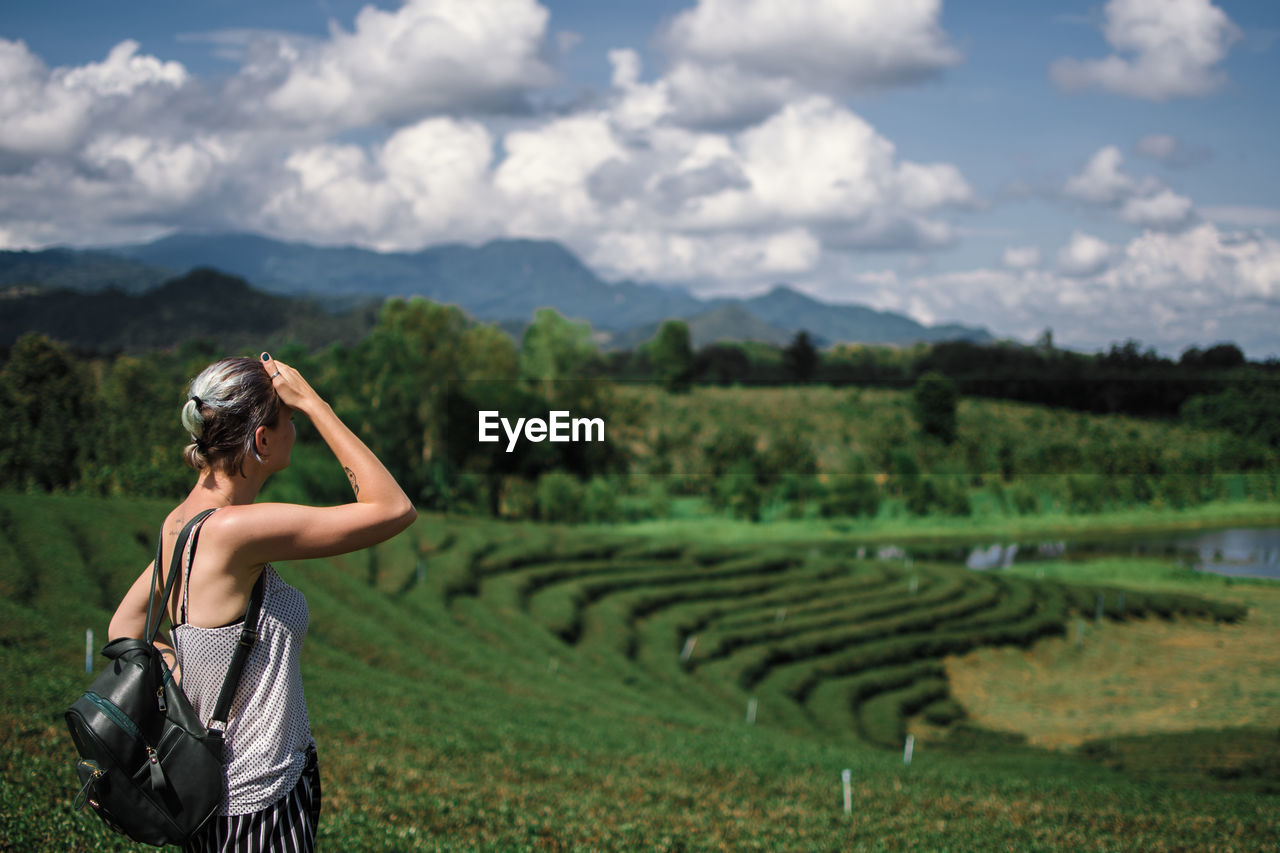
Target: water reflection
1242 552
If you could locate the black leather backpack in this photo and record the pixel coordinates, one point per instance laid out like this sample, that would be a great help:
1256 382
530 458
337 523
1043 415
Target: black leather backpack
147 766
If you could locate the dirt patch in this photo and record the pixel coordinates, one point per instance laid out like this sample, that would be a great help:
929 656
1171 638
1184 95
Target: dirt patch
1138 677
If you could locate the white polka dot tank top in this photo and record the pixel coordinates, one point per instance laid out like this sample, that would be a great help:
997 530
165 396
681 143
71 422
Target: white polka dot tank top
268 731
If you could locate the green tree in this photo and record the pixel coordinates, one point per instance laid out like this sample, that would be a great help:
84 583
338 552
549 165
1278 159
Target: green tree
138 441
560 498
45 395
555 349
671 355
800 358
934 401
395 384
852 495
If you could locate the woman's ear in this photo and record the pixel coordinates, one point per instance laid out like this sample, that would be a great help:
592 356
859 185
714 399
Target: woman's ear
261 442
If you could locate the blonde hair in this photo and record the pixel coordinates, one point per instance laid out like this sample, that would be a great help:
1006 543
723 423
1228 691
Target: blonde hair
225 405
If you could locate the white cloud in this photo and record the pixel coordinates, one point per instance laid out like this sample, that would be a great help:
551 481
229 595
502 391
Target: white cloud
1168 289
695 95
123 72
1147 203
1202 260
1021 257
818 163
158 174
827 45
723 94
724 258
1170 49
546 172
1163 210
45 111
1101 181
735 62
1084 255
429 178
426 57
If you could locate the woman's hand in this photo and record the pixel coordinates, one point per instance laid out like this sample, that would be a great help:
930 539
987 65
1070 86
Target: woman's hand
294 391
276 531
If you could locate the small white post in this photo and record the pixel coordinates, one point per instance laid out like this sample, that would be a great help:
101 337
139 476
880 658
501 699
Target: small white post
687 652
88 650
751 711
846 781
908 749
781 615
554 666
1079 633
915 584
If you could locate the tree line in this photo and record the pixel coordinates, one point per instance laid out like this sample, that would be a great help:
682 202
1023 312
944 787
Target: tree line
414 385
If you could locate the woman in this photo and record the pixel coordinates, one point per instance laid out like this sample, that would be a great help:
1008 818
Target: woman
240 416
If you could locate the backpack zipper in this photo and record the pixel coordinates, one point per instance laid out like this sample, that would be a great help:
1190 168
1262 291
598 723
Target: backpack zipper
120 718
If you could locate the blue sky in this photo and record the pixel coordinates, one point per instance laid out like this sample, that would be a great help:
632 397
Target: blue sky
1107 170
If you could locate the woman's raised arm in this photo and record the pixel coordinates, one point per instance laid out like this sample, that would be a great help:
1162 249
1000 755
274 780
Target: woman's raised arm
380 508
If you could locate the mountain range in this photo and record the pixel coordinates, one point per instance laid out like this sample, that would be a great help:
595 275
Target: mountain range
503 281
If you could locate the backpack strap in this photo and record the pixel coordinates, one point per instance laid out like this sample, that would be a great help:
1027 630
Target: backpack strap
248 631
150 633
248 637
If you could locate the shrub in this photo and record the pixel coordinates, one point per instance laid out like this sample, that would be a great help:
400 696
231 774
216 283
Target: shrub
600 501
938 494
559 497
934 401
1086 493
852 496
1025 501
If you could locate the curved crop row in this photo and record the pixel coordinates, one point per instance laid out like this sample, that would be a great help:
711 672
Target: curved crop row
857 617
828 598
976 597
882 719
867 579
1048 619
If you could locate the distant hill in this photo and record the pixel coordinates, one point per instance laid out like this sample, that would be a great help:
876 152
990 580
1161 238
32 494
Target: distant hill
78 270
204 304
731 321
503 281
789 309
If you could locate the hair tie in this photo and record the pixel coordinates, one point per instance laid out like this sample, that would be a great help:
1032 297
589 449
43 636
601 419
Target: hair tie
198 401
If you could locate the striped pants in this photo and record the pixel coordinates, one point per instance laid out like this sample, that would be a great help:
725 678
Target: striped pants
287 825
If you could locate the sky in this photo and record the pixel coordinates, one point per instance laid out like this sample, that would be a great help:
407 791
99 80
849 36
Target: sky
1108 171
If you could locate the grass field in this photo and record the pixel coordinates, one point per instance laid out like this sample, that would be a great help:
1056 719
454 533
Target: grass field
488 686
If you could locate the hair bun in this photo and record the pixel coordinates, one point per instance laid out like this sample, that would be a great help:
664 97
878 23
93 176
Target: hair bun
192 417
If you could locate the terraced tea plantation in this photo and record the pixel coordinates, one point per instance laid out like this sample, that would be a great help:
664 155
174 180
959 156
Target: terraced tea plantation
484 686
824 640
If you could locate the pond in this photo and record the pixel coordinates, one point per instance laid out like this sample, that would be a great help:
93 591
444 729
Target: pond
1240 552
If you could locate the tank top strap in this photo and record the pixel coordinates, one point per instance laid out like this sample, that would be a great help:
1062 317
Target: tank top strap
187 559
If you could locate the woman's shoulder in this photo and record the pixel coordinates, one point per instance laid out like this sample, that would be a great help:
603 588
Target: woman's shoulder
245 524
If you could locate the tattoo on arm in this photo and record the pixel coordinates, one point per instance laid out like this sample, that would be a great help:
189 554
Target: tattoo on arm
351 475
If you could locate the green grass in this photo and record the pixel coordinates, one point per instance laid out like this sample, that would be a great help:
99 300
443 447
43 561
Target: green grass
454 711
993 527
